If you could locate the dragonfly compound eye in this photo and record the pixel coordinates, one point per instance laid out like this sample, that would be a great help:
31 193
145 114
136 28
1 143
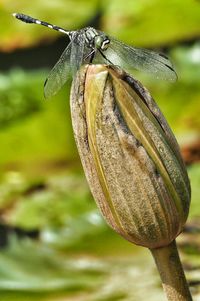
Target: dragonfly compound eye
101 42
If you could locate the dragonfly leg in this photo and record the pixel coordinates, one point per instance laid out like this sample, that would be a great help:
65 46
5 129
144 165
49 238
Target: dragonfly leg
90 55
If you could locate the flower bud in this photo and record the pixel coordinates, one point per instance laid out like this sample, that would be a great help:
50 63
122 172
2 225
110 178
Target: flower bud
130 156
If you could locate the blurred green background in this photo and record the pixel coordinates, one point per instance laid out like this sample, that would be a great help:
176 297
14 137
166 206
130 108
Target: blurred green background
54 244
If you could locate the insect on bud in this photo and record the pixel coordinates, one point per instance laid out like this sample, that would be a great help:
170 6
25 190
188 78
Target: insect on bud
130 156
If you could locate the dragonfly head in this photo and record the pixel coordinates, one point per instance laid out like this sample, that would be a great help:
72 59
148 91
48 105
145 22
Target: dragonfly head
101 42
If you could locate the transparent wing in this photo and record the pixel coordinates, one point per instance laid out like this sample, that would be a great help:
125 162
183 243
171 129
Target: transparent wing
141 59
77 52
59 74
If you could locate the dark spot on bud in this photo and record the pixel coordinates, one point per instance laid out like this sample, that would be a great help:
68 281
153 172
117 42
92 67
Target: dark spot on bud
157 174
137 143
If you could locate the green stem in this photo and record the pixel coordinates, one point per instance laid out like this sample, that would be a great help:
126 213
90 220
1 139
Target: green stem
171 273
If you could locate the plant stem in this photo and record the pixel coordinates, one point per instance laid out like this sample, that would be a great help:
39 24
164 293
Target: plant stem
171 273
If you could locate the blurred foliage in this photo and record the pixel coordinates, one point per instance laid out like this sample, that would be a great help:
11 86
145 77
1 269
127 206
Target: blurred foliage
194 175
152 23
32 130
20 273
76 257
82 275
14 105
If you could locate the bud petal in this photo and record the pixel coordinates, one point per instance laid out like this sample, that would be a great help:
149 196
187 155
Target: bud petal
130 156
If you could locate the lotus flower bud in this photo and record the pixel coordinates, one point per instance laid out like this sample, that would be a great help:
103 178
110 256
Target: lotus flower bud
130 156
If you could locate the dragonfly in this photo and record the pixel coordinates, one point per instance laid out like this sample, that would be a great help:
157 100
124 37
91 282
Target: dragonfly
91 46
